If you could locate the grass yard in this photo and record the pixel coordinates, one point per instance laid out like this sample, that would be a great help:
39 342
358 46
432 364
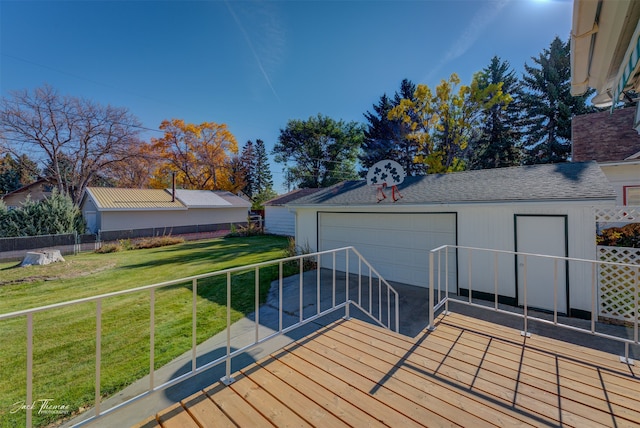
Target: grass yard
64 339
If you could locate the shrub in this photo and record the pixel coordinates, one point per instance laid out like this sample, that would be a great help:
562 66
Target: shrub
128 244
109 248
626 236
54 215
292 250
158 241
251 229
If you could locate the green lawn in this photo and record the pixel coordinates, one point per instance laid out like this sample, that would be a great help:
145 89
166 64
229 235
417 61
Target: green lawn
64 339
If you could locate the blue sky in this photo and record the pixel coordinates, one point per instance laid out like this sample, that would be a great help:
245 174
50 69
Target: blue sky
254 65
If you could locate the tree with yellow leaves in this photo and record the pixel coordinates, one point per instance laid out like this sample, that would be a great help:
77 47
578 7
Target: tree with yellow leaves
443 123
200 155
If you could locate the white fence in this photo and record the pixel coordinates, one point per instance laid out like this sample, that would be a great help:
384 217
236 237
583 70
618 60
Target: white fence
618 282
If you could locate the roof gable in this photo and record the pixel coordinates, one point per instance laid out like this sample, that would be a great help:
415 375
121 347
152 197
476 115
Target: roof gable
28 187
605 136
565 181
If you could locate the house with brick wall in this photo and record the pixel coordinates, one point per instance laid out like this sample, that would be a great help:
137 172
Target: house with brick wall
609 138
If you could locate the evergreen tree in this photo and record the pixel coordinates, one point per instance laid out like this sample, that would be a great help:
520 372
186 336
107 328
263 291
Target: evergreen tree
548 105
498 144
263 180
16 172
53 215
9 175
247 166
386 138
258 181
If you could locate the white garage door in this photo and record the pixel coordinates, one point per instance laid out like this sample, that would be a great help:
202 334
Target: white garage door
396 245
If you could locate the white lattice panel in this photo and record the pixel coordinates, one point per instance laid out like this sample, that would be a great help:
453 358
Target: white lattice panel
617 214
618 284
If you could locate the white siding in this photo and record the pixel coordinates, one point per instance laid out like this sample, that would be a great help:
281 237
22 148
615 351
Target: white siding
491 225
125 220
279 220
620 176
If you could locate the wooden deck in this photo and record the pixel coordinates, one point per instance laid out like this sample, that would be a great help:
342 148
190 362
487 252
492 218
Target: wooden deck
467 372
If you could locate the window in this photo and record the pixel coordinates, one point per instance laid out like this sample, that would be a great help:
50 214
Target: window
631 195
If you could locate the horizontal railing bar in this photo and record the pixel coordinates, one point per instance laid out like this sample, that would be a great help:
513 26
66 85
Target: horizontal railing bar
372 272
542 320
166 284
546 256
210 364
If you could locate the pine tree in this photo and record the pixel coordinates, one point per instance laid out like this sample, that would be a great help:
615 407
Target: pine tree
247 165
263 179
16 172
498 144
386 138
549 106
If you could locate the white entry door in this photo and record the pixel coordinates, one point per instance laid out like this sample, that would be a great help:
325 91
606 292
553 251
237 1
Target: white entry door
545 235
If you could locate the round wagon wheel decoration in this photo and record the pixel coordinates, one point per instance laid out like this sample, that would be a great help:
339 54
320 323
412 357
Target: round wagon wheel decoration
383 174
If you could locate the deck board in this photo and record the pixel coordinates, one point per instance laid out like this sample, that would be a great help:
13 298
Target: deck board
468 372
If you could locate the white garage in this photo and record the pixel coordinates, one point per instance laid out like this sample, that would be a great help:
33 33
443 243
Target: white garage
545 209
395 244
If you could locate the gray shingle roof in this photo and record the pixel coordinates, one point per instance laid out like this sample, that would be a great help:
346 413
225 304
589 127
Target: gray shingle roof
563 181
291 196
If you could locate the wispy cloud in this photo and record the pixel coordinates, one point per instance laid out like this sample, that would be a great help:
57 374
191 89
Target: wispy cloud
472 33
271 33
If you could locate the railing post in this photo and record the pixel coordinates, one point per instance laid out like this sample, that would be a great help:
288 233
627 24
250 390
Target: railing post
152 336
98 396
333 298
318 268
359 281
397 309
280 286
525 332
227 379
194 326
29 369
257 302
626 358
439 274
431 326
594 311
346 286
446 280
635 313
555 291
469 275
495 281
301 308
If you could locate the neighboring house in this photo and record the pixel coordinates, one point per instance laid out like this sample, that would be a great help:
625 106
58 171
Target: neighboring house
610 139
36 191
280 220
112 209
542 209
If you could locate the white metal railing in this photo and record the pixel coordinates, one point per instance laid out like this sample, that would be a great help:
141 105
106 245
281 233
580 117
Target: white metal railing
375 287
439 294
